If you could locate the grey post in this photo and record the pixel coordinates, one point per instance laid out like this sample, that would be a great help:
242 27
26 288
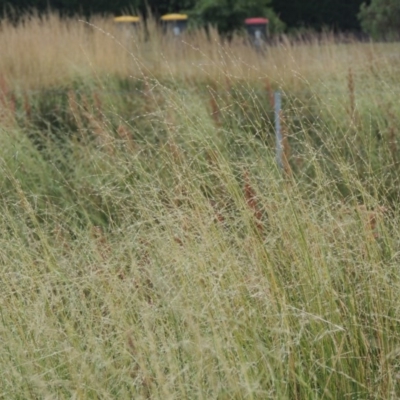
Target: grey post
278 133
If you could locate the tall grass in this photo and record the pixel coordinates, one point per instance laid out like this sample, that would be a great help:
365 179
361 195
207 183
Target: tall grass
48 51
150 245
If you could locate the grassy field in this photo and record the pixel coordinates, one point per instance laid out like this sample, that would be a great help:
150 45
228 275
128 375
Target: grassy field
151 247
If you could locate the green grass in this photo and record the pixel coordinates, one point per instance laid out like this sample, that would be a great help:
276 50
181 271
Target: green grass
151 248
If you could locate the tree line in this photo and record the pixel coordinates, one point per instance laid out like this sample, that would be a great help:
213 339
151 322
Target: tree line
379 18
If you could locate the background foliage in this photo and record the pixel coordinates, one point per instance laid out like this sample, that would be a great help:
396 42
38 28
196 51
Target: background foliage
337 14
377 17
381 18
230 14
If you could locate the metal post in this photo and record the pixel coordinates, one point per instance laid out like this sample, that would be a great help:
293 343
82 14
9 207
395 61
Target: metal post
278 133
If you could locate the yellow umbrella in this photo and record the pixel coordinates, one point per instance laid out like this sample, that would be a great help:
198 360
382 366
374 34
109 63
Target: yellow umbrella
127 18
174 17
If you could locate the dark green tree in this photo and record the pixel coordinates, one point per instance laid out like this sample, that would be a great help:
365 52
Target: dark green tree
229 15
381 19
69 7
87 7
339 15
161 7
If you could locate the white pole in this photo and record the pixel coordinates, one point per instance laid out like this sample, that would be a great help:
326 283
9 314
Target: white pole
278 133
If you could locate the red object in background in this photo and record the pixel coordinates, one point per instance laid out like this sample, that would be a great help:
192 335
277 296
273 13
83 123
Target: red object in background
256 21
